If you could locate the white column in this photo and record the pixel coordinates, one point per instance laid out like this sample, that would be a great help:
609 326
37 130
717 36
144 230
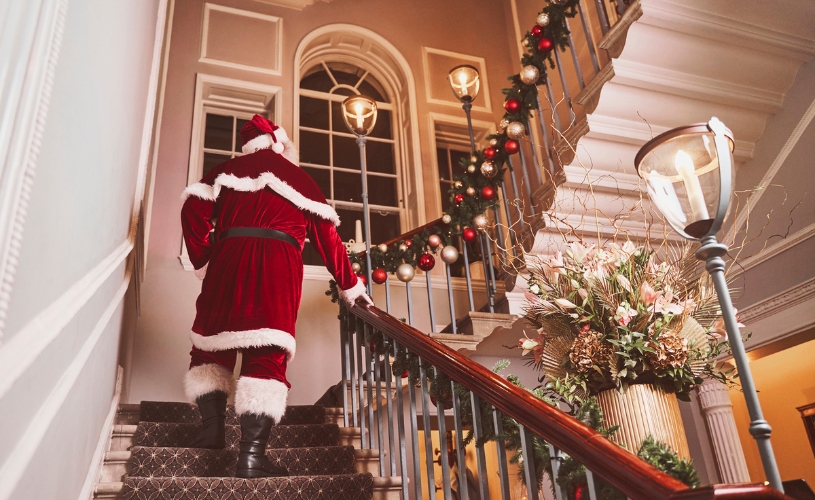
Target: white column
721 425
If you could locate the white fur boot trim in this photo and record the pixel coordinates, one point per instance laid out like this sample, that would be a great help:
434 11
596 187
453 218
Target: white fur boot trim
204 379
352 294
261 397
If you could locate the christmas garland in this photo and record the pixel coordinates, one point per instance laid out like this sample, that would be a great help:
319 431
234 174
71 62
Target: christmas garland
474 190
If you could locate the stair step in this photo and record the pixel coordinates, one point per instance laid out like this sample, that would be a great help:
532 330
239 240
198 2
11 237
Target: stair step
122 437
164 434
187 413
189 462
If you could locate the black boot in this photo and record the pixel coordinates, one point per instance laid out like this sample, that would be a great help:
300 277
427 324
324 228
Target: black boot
252 461
212 406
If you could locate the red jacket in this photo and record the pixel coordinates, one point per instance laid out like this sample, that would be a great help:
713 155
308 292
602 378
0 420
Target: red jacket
251 292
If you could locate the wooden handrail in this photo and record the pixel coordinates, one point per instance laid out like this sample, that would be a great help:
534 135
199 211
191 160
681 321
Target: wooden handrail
634 477
409 235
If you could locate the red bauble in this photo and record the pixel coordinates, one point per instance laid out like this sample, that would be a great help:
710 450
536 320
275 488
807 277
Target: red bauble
379 276
408 243
405 374
512 105
537 31
458 198
511 146
545 44
487 193
426 262
489 153
373 347
468 234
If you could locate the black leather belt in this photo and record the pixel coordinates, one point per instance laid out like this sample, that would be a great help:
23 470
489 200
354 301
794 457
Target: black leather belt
258 232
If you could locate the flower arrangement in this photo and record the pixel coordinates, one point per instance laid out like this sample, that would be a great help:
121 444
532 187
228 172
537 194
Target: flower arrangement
613 316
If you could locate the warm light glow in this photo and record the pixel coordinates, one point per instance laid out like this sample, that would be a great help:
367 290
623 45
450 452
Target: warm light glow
359 113
685 168
683 164
358 110
464 81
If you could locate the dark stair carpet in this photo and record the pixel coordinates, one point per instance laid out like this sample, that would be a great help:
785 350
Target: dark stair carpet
161 467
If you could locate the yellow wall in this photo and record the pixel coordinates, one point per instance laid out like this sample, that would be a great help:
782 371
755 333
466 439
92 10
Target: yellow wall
785 380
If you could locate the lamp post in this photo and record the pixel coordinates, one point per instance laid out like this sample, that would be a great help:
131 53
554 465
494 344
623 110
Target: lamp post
465 82
359 113
690 177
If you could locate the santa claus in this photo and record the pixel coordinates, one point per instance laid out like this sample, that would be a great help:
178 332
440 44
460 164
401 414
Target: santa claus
261 206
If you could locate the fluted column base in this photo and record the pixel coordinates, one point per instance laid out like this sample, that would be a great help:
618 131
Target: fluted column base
721 425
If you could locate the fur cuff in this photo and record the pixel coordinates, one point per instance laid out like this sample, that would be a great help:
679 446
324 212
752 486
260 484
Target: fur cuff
247 338
261 397
199 190
351 295
204 379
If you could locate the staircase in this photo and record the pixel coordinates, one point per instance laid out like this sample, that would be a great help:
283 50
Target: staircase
148 458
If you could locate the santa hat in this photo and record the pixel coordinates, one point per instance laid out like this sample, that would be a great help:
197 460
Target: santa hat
261 133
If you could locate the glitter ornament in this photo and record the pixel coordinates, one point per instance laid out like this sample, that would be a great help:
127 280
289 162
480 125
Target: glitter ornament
488 169
449 254
543 20
446 218
511 147
489 153
356 267
515 130
426 262
382 248
470 191
379 276
545 44
468 234
405 272
457 184
471 169
480 221
529 74
493 142
487 193
458 198
433 240
503 123
512 105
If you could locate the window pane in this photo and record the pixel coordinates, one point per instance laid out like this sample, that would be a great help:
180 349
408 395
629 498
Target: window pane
347 186
238 139
314 148
346 153
382 190
444 167
313 113
310 256
322 178
318 80
444 189
337 123
384 225
379 157
372 91
218 132
345 78
343 91
456 157
382 128
211 160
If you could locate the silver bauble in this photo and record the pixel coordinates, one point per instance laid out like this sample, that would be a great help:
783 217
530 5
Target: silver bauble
503 123
356 267
383 248
470 190
403 248
515 130
449 254
405 272
488 169
434 240
480 221
529 74
493 142
471 169
446 218
543 19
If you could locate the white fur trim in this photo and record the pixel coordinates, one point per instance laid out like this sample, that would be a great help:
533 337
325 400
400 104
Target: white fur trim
261 397
352 294
290 153
262 141
202 273
204 379
199 190
248 338
268 179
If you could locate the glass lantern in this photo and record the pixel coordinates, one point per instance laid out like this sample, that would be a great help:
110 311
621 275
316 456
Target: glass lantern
465 82
359 113
689 174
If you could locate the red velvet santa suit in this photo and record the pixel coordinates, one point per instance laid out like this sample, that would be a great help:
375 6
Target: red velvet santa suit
252 286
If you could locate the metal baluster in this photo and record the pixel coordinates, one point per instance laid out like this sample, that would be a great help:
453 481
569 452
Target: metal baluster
537 163
461 452
528 451
379 437
587 31
400 427
389 403
554 457
481 459
503 474
590 485
428 443
515 191
467 274
430 302
346 368
486 273
576 62
409 304
545 134
565 84
414 434
370 391
527 184
443 457
450 298
488 242
388 295
360 377
601 13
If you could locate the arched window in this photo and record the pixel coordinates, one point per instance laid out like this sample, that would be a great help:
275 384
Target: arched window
329 153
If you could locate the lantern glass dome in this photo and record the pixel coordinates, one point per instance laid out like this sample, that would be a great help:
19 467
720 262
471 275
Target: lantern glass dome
465 82
689 174
359 113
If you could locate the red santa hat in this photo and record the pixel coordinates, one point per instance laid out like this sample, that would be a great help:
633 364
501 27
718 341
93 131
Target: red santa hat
261 133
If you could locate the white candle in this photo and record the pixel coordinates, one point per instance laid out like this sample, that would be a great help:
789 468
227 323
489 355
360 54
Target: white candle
462 78
358 232
684 167
358 109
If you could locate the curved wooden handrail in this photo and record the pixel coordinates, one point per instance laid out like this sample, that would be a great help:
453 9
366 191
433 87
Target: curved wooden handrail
629 474
409 235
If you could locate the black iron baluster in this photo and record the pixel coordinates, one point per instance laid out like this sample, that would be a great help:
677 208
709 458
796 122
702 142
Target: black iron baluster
503 474
379 435
414 434
400 427
528 451
461 452
481 459
428 432
360 383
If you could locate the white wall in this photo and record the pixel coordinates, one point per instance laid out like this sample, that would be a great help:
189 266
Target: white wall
61 338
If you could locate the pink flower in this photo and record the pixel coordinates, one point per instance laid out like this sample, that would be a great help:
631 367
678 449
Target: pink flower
648 294
718 329
624 314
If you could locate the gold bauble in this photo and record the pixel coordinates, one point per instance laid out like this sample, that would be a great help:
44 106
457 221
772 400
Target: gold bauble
515 130
446 218
356 267
457 184
449 254
473 159
470 191
529 74
493 142
383 248
405 272
503 123
471 169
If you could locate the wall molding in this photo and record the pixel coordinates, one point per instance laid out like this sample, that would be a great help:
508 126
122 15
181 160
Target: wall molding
775 249
779 302
204 58
25 110
476 61
29 442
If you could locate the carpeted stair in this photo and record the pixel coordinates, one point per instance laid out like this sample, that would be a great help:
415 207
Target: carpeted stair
149 459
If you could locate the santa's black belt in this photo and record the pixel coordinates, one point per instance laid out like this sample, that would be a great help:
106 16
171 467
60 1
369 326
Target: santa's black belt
258 232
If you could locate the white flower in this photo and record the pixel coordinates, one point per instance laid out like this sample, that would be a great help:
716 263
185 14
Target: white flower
578 251
623 281
564 303
583 293
535 289
629 247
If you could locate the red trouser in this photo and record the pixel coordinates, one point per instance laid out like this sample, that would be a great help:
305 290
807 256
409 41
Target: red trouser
266 362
